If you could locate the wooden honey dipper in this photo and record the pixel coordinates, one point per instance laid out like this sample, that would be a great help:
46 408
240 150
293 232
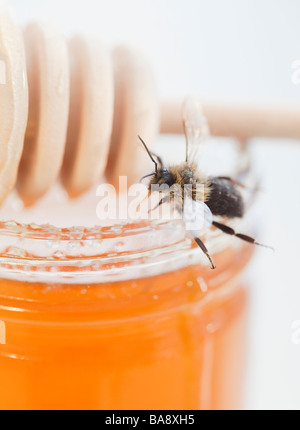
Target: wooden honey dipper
85 109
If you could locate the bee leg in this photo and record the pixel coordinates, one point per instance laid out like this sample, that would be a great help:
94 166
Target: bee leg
146 176
145 198
204 249
228 230
161 202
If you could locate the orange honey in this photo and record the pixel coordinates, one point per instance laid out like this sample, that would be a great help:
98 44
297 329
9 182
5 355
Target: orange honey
170 340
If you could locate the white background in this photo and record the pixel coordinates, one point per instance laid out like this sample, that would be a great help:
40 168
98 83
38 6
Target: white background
226 49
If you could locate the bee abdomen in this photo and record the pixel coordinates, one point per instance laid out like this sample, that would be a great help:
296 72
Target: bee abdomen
224 199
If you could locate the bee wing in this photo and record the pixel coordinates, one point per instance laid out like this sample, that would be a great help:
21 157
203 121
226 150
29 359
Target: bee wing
197 217
196 128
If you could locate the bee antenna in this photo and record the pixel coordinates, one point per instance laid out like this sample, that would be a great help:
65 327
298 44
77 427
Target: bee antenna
148 152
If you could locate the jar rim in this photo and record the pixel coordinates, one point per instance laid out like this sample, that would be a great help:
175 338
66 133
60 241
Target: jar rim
146 247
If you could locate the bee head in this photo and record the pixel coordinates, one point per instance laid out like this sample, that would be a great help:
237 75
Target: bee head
162 176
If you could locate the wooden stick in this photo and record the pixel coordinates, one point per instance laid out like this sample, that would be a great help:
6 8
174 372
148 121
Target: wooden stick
240 121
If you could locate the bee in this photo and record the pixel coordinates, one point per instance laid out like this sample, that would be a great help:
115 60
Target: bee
218 196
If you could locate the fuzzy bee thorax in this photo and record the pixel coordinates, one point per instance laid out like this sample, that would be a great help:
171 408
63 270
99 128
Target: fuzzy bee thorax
184 176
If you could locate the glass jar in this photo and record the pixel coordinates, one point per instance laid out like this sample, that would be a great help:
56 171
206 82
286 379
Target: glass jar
121 317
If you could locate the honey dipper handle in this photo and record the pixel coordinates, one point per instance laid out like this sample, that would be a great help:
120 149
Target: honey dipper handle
240 121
